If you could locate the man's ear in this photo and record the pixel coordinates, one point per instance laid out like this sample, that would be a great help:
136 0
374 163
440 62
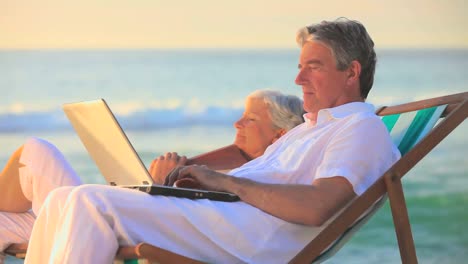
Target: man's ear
279 134
354 71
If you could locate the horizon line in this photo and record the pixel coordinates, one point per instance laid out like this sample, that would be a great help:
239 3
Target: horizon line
409 48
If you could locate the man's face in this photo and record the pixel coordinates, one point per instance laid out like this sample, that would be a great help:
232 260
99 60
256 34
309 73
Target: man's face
323 86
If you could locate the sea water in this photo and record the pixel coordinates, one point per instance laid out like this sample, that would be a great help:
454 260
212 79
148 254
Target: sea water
187 100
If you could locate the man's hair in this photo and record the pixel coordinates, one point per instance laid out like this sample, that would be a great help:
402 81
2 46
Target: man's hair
348 40
285 110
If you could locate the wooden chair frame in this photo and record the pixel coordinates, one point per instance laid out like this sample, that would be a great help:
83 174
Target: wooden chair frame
455 113
389 183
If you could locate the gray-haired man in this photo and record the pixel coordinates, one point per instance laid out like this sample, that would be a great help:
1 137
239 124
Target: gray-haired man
288 194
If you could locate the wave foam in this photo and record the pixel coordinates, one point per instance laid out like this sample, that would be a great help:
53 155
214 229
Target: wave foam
131 118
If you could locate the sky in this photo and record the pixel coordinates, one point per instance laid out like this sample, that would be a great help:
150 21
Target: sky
115 24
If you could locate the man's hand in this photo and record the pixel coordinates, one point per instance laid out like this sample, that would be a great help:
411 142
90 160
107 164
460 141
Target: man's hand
203 177
160 167
306 204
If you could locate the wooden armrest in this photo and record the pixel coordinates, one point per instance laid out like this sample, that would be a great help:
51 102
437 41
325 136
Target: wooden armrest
17 250
140 251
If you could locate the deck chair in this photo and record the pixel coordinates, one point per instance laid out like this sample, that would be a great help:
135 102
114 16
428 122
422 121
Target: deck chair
453 109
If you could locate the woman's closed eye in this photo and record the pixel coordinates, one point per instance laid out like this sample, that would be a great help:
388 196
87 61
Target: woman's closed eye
248 117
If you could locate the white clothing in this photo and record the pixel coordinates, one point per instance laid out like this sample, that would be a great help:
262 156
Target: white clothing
348 140
45 169
86 224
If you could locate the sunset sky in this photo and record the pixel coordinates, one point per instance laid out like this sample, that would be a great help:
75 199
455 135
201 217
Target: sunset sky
114 24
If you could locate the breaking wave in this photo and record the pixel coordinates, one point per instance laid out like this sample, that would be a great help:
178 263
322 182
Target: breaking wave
142 119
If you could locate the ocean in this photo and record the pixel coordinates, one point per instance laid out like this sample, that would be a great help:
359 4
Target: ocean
187 100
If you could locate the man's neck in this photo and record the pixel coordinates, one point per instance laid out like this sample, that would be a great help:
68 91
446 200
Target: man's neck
312 117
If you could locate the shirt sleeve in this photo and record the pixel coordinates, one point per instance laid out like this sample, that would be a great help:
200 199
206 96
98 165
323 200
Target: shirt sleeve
360 152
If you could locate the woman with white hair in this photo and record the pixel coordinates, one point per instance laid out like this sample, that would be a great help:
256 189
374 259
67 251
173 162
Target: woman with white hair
267 116
38 167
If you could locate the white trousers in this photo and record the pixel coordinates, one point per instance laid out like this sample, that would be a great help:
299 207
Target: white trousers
86 224
45 169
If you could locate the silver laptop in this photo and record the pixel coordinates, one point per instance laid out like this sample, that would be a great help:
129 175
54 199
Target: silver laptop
115 156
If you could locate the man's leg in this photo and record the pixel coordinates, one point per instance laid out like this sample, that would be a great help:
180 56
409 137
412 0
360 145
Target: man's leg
12 197
88 223
45 169
31 173
45 226
14 228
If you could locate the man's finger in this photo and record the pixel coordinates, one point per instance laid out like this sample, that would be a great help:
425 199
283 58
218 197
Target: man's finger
172 177
181 173
185 171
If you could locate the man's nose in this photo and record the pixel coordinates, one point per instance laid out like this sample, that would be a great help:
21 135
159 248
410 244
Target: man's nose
300 77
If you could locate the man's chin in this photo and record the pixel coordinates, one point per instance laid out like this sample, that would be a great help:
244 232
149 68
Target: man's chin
239 143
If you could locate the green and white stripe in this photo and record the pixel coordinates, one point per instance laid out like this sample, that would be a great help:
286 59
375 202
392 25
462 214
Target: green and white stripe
407 129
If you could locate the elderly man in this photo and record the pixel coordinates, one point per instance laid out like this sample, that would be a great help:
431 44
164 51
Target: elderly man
288 194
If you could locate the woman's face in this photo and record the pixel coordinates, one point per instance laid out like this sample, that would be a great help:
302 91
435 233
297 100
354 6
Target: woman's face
255 130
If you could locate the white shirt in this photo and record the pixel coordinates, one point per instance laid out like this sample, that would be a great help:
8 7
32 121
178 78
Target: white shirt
348 140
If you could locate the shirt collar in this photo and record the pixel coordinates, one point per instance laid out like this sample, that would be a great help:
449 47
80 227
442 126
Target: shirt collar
341 111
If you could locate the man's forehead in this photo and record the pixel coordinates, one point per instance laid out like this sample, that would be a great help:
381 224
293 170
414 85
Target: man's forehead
314 51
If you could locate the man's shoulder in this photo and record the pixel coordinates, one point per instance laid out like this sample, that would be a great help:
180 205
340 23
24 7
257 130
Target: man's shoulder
365 120
365 116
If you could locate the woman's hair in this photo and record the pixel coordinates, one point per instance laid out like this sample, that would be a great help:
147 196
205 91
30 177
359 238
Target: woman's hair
286 111
348 40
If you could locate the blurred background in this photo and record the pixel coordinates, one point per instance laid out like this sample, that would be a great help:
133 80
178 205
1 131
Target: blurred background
176 74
